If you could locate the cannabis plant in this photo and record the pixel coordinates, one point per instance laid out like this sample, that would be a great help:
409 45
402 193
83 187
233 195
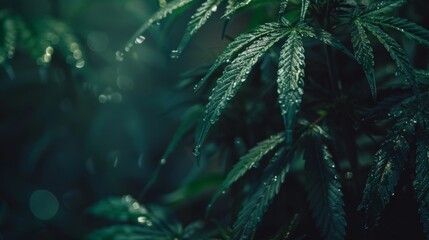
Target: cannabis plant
324 51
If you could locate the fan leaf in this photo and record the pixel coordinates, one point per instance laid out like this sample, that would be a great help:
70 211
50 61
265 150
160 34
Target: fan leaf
156 17
410 29
385 171
326 38
233 76
304 7
256 205
240 42
396 52
421 181
290 80
324 189
364 54
247 162
199 18
234 6
380 7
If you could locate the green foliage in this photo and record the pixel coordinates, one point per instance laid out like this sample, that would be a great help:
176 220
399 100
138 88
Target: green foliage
322 181
257 203
324 188
247 162
40 38
290 80
233 76
125 209
364 54
148 224
200 17
421 181
385 172
288 72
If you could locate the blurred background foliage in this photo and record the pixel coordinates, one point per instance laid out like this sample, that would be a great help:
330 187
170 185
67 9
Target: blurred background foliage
82 123
77 125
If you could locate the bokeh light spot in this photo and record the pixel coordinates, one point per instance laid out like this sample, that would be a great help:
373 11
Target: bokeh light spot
43 204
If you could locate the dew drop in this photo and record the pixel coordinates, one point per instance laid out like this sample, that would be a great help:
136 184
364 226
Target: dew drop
196 150
119 56
175 54
140 39
214 8
223 192
163 161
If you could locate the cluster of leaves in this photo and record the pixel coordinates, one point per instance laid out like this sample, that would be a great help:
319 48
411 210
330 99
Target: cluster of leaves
39 38
310 134
135 221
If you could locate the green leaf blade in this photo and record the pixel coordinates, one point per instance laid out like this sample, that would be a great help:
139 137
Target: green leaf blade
240 42
410 29
384 175
232 78
326 38
257 204
156 17
396 53
290 79
247 162
381 7
234 6
421 181
364 54
198 19
324 189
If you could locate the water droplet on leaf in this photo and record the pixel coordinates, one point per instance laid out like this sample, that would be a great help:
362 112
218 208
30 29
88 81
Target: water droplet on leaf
119 56
139 39
196 150
175 54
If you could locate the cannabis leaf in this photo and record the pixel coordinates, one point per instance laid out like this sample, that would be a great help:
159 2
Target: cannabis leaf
421 181
323 187
254 208
409 29
395 51
240 42
124 208
325 37
199 18
380 7
282 8
386 169
304 7
232 78
247 162
364 54
156 17
234 5
290 80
